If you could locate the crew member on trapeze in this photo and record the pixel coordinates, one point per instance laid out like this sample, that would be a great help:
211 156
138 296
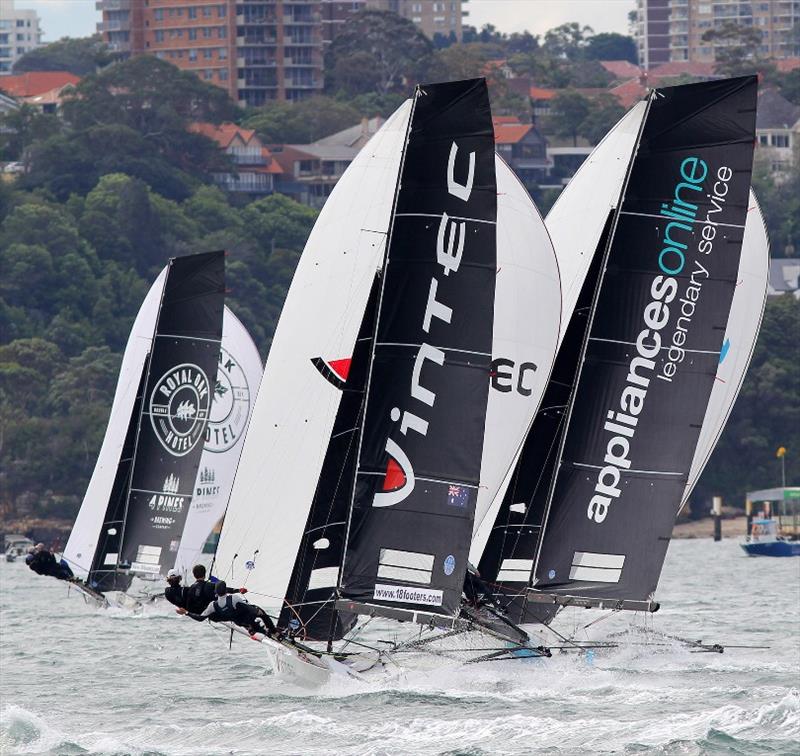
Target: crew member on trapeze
42 562
477 591
234 608
197 596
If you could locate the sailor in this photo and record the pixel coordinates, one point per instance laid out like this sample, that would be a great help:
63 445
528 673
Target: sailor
42 562
476 590
201 593
175 593
231 607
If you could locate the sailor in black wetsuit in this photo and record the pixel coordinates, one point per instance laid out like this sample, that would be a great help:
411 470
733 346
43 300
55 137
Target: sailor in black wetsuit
175 592
229 607
201 593
42 562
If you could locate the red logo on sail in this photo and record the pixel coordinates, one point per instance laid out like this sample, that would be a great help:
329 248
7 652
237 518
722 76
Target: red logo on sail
333 371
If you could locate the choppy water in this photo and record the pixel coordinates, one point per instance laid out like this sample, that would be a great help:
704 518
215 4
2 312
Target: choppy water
77 680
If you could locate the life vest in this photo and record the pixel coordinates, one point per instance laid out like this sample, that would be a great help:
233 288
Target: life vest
226 613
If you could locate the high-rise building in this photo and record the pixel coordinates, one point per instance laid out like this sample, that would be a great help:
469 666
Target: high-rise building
688 20
259 50
431 16
652 32
19 34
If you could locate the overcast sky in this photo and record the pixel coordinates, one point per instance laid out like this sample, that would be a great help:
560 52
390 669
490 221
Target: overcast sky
77 18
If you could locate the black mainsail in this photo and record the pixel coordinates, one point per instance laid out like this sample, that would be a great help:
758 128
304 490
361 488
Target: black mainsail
653 346
173 413
420 448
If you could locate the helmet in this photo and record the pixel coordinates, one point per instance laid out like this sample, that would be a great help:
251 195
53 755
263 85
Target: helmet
172 574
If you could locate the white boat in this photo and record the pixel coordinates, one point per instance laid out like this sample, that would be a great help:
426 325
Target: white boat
15 545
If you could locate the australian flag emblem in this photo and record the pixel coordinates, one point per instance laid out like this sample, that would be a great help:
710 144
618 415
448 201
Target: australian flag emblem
458 496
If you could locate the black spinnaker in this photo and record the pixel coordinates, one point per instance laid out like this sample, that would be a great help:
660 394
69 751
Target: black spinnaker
654 342
420 449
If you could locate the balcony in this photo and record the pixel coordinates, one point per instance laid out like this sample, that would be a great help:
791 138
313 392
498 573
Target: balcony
112 5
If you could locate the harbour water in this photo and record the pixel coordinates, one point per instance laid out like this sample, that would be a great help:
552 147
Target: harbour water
76 680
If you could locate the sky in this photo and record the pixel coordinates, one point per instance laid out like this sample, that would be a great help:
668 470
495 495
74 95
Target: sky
77 18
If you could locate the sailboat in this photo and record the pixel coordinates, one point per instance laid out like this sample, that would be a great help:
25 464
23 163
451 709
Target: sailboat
403 377
652 353
132 517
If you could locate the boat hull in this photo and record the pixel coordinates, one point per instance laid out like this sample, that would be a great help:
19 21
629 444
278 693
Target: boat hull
772 548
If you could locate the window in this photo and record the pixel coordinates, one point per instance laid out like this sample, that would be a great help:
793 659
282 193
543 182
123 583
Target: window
222 53
193 54
158 14
780 140
192 12
763 140
208 53
20 37
192 33
207 11
222 32
208 74
159 33
20 22
206 32
221 11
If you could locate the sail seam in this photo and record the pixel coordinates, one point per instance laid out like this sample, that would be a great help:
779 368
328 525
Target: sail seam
644 472
699 221
441 215
442 348
190 338
664 348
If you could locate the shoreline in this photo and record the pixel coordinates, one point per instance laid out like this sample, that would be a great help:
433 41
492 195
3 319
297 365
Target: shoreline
732 527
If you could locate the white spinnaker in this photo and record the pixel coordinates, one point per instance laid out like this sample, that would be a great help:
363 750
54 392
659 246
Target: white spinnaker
741 333
527 312
82 542
238 378
296 405
575 224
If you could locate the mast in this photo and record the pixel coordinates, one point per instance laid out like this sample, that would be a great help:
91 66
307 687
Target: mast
653 346
421 441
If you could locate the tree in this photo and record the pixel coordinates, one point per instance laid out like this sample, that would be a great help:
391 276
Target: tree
568 111
375 51
604 112
736 49
23 127
567 41
458 62
611 46
302 122
81 56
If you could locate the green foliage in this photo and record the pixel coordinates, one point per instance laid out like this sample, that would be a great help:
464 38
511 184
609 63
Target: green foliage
72 277
611 46
376 52
568 111
21 128
82 56
780 202
302 122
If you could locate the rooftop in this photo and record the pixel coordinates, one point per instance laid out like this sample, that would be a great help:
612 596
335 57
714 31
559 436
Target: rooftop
36 83
775 111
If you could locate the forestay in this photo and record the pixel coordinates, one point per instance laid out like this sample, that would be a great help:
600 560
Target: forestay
308 364
655 338
422 439
238 377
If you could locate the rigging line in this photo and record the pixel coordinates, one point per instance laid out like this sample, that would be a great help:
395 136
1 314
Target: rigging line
666 349
429 480
190 338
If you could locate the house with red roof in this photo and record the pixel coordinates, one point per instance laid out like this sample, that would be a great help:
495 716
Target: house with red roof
523 147
42 89
256 168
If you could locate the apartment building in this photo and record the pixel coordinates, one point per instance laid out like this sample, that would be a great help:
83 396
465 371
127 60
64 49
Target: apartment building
258 50
431 16
686 21
19 33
